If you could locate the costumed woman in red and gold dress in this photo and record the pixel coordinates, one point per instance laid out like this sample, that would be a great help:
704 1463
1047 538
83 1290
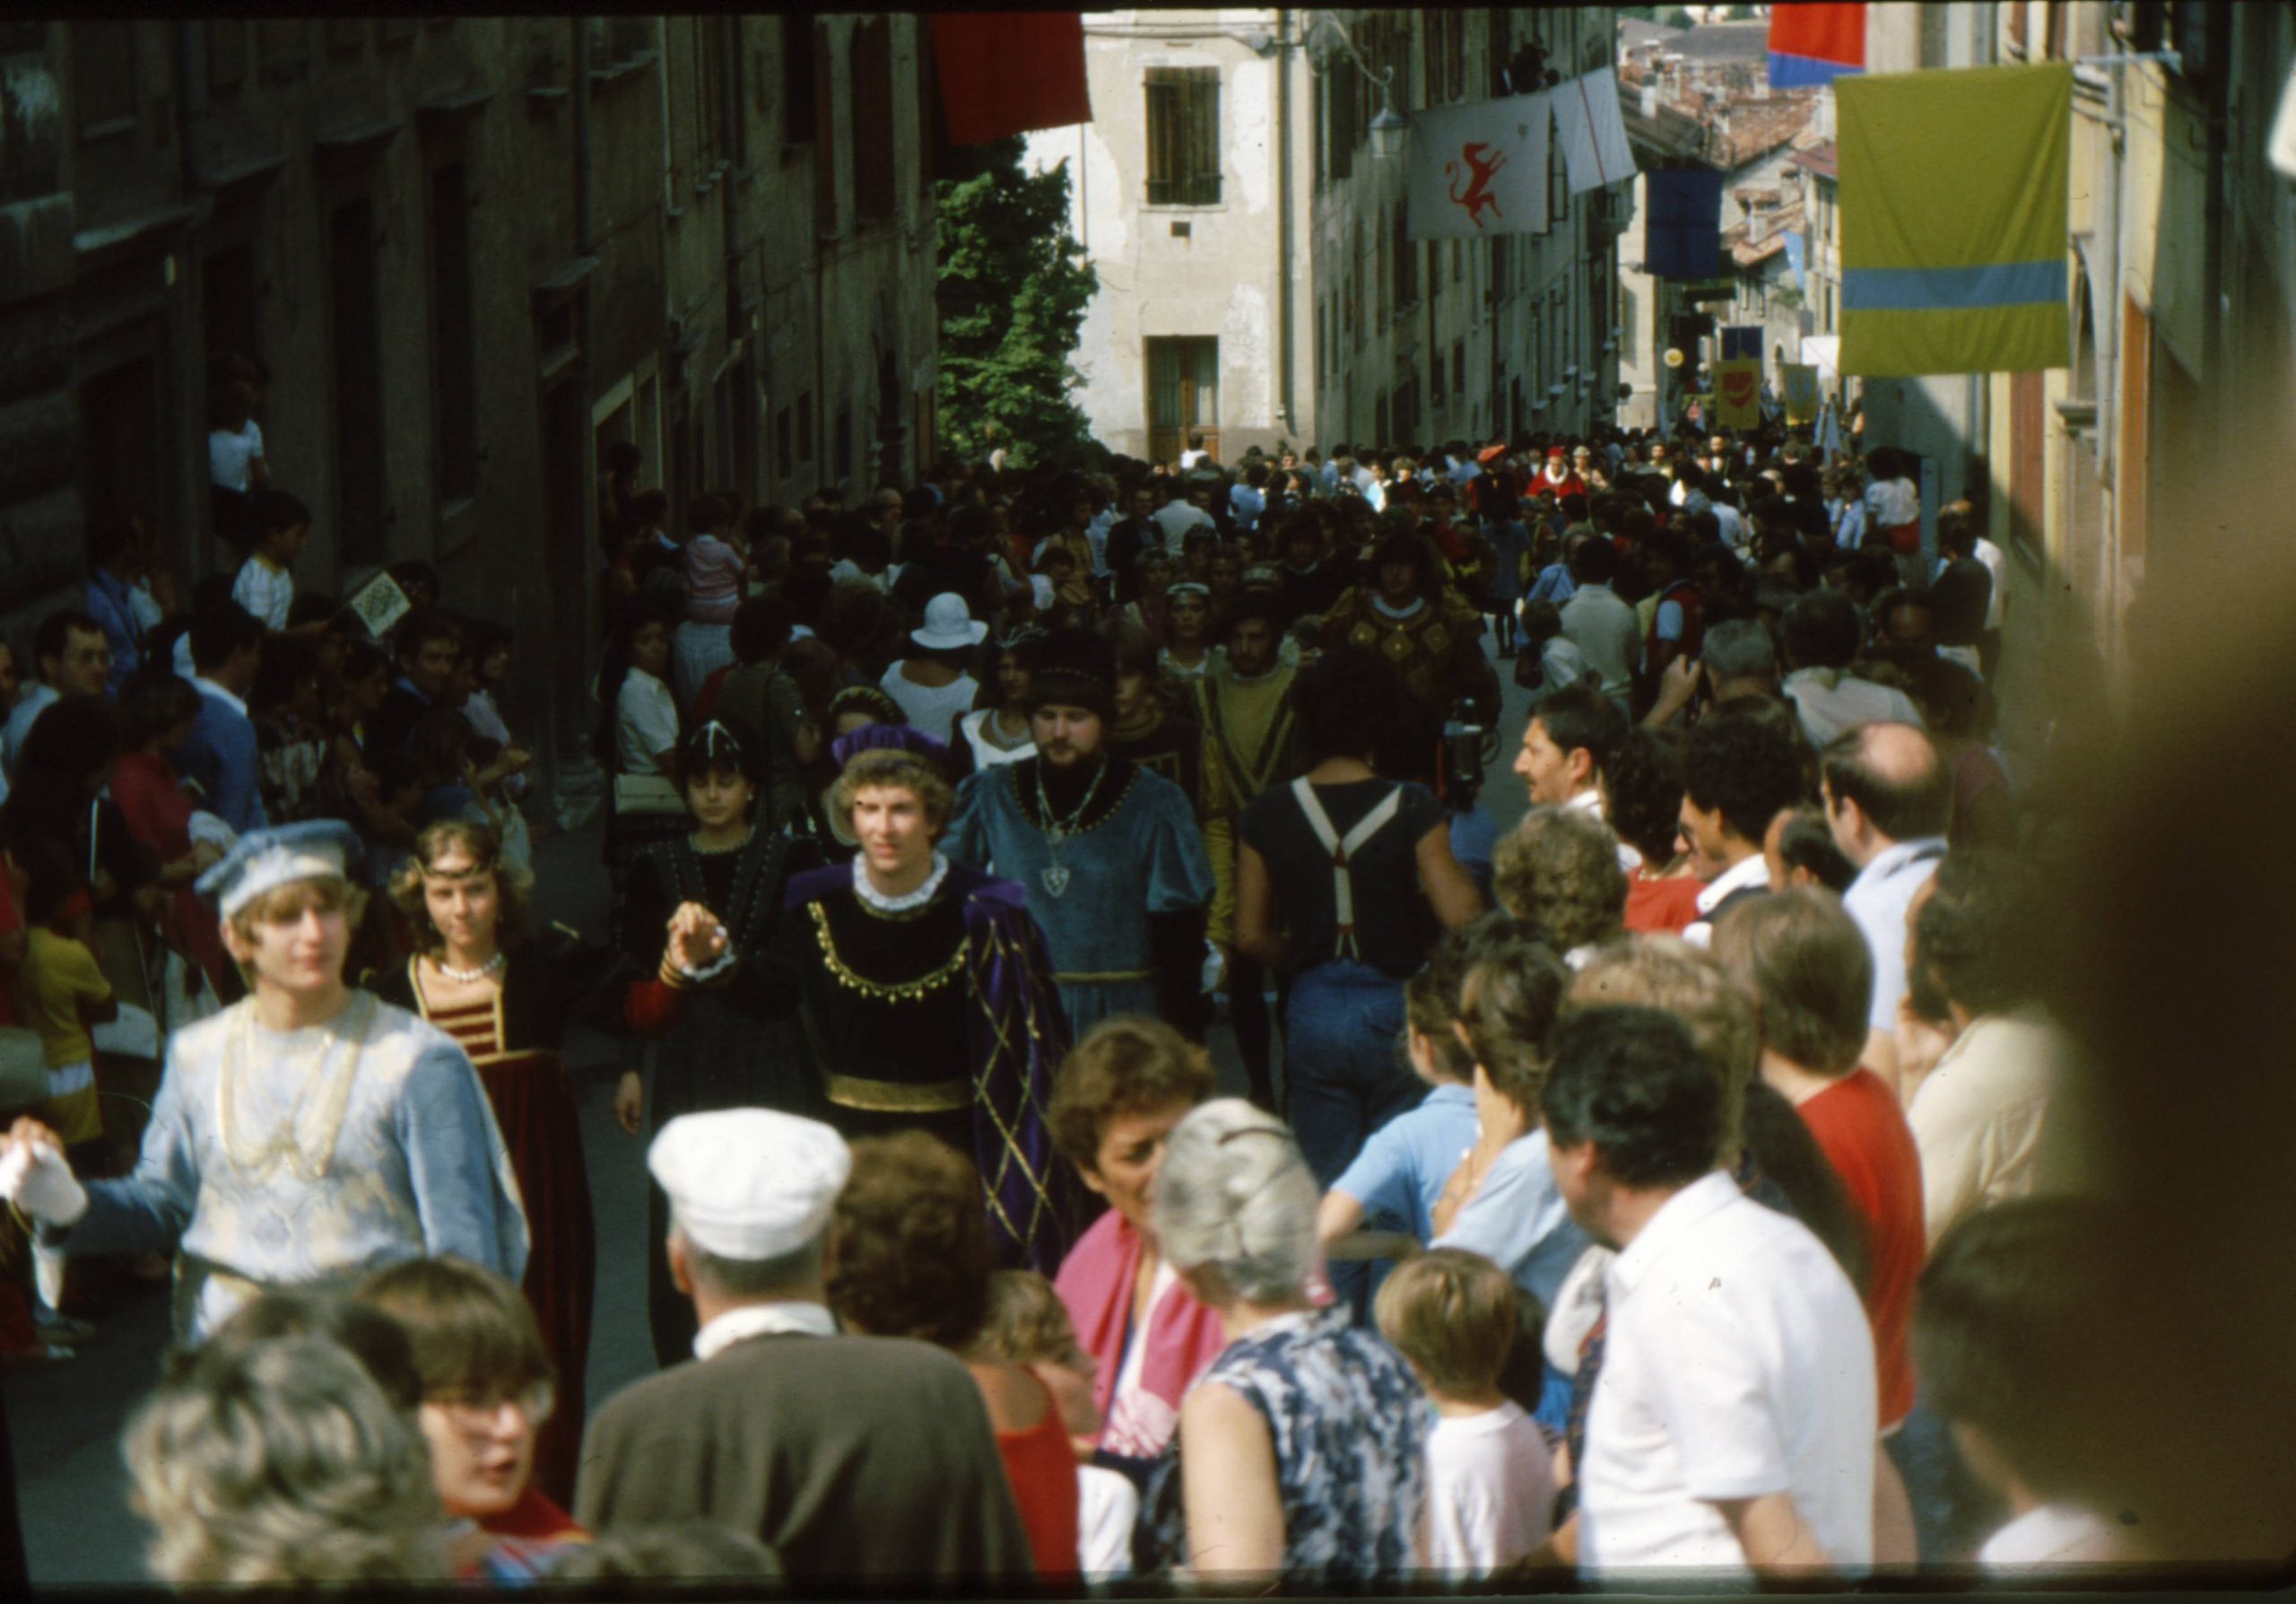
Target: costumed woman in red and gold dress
506 993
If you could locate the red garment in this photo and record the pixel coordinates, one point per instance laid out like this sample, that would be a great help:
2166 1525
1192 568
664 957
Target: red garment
1041 1466
535 1517
1569 485
534 1106
705 700
1862 1133
1683 594
159 815
1661 907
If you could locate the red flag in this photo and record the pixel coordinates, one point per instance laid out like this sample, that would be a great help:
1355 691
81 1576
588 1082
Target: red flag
1815 43
1008 72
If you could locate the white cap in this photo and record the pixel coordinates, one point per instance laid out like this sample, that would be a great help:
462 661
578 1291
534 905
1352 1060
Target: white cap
264 860
948 624
750 1183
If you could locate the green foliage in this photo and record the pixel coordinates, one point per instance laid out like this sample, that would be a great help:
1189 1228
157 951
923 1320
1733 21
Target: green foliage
1013 288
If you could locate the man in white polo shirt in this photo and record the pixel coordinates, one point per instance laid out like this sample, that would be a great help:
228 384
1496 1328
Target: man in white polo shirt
1732 1432
1889 798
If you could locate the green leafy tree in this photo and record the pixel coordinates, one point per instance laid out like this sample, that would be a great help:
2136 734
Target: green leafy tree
1013 288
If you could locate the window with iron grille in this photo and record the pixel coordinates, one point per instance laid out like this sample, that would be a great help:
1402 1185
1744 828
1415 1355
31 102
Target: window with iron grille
103 77
1183 106
872 67
227 55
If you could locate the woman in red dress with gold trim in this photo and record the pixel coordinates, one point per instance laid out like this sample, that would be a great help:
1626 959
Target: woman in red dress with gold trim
506 993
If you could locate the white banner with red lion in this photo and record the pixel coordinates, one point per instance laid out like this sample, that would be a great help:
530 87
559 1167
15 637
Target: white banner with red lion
1480 169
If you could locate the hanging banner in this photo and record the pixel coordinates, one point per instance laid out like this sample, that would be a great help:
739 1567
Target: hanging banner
1682 235
1593 132
1479 169
1737 378
1815 43
1801 393
1958 266
1010 72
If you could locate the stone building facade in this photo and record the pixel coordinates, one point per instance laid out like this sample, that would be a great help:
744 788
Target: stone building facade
470 251
1256 284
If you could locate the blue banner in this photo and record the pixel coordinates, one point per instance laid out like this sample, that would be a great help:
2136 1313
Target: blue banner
1684 233
1797 258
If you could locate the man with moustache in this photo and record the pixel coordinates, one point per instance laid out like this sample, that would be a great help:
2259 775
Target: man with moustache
1102 848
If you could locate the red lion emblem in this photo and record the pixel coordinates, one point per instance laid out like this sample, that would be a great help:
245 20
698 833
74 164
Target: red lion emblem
1480 162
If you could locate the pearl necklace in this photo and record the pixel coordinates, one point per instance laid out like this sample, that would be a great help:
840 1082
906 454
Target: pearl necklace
469 977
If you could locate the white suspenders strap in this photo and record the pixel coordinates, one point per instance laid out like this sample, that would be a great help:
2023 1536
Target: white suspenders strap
1343 882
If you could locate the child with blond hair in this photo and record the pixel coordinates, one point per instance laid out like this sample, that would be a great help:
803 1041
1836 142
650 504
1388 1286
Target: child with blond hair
1454 1316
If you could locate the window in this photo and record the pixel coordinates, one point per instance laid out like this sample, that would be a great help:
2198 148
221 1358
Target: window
1344 121
1379 415
797 93
227 55
872 68
284 47
1183 106
785 456
1319 127
708 93
1459 367
824 138
103 77
1434 266
454 359
360 485
1434 382
844 443
1183 395
805 427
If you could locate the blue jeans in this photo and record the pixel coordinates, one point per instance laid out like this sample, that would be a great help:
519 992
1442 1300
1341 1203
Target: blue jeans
1341 1073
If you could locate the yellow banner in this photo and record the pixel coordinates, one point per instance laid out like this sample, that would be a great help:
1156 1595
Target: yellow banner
1737 393
1801 393
1956 267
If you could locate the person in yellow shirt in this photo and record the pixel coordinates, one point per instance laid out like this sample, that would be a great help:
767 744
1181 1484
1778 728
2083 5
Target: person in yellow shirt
60 992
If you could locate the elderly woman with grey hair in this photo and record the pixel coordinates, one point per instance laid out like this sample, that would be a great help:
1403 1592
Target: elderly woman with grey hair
1302 1449
283 1459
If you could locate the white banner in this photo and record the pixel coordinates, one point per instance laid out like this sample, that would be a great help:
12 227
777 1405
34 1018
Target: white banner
1479 169
1593 132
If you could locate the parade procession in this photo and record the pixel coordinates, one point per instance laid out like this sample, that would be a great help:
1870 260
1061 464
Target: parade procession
1346 802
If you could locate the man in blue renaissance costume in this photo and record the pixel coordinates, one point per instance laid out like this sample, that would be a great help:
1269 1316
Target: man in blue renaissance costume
1107 853
925 993
303 1137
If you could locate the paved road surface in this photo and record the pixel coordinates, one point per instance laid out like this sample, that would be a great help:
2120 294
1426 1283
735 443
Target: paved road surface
66 1422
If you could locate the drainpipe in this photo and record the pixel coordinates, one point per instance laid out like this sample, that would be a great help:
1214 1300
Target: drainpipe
729 108
1283 218
572 756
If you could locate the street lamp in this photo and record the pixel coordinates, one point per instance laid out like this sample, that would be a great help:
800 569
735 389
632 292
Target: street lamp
1388 129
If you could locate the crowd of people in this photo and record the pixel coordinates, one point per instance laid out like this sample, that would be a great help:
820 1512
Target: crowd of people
1692 1177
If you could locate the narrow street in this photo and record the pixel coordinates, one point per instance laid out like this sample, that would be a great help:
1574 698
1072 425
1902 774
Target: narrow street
66 1421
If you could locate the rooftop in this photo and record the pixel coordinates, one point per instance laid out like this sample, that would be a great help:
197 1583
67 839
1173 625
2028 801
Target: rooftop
1819 161
1721 42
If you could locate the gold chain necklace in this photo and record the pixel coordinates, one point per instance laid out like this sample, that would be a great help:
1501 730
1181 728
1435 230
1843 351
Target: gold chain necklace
326 1097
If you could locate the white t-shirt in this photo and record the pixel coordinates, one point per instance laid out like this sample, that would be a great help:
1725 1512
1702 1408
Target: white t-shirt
645 722
1190 457
933 709
2053 1535
1878 900
265 591
1490 1491
1106 1506
1739 1363
229 454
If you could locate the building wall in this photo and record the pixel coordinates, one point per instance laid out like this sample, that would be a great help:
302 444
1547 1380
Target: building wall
633 273
1501 337
1211 271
